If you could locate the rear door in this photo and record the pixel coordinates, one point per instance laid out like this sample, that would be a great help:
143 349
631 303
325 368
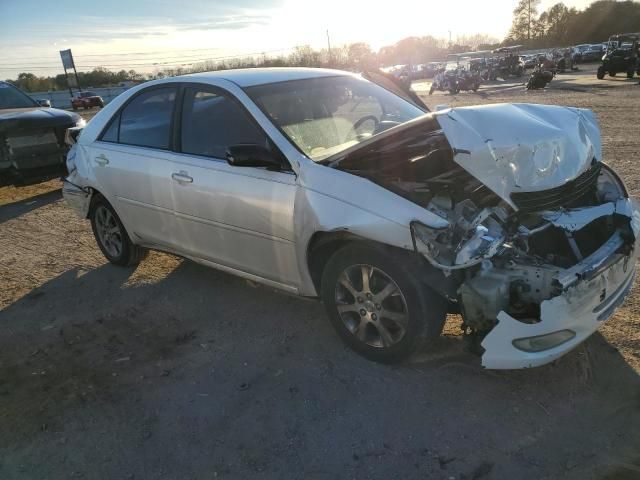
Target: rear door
239 217
133 164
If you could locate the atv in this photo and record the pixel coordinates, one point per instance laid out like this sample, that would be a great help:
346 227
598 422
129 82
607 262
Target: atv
622 56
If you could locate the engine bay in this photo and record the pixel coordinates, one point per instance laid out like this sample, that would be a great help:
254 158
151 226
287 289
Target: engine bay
512 260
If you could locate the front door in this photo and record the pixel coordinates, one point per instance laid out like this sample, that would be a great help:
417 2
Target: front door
239 217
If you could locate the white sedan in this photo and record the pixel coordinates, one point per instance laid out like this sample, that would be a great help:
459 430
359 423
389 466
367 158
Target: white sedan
326 184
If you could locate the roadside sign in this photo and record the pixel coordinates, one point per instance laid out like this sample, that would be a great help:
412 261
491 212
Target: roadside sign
69 64
67 59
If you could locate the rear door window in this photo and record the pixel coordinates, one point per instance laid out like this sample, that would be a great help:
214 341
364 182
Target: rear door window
146 120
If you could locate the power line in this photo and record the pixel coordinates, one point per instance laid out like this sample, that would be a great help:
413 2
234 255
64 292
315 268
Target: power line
152 64
13 66
155 60
126 53
79 57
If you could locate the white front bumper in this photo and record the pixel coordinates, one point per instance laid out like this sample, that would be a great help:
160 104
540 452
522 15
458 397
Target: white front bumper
581 308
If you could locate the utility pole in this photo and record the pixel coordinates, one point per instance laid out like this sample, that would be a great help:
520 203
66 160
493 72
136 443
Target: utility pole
328 46
449 38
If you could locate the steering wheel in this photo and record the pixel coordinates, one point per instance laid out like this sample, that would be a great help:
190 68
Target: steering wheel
361 121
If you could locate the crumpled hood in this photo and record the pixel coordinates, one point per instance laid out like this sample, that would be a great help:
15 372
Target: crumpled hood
19 118
522 147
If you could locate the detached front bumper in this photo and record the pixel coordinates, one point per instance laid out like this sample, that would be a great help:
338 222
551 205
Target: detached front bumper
593 289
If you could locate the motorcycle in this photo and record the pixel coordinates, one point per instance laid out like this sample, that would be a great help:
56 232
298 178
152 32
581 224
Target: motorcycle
539 78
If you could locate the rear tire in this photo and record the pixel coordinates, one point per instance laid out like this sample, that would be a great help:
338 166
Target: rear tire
630 73
612 74
377 305
111 236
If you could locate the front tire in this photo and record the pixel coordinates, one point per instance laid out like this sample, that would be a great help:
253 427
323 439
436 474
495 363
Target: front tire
600 73
111 236
377 305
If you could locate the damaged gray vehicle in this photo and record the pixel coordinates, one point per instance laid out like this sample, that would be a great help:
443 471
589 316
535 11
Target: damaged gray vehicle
32 138
326 184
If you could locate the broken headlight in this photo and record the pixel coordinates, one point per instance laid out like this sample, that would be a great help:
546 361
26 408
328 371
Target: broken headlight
471 236
610 187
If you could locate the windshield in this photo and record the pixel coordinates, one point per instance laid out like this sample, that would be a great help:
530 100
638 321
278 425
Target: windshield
11 97
324 116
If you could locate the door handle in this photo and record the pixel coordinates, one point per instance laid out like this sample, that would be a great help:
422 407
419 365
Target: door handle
182 177
102 160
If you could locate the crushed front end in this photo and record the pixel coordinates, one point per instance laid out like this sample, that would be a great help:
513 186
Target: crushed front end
549 256
540 241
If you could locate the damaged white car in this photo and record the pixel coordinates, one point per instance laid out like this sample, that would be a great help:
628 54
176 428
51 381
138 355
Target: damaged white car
329 185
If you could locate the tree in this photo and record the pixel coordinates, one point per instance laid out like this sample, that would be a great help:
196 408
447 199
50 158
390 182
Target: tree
602 19
555 24
360 54
524 16
477 40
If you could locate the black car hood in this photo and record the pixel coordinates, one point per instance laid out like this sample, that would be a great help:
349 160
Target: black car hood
24 118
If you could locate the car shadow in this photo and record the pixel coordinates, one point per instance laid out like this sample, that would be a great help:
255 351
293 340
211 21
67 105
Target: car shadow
198 371
13 210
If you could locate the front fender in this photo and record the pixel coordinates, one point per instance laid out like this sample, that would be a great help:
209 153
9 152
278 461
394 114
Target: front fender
330 200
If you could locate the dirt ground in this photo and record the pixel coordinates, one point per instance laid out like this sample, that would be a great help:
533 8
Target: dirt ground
172 370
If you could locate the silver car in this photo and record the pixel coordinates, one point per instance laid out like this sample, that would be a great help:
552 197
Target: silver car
329 185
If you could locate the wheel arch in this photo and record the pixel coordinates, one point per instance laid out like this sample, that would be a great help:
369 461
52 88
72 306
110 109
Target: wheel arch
97 194
322 245
94 195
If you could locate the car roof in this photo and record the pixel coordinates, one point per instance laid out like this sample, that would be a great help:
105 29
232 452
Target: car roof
249 77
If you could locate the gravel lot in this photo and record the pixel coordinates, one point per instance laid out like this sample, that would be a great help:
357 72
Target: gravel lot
176 371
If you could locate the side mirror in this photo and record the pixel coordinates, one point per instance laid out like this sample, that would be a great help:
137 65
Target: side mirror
252 155
43 102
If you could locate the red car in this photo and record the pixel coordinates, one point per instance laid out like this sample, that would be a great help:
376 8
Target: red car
87 100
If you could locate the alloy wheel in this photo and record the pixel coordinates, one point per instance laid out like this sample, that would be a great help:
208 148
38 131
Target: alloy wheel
371 306
109 231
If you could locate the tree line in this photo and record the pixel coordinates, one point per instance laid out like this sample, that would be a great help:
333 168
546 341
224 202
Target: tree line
561 26
98 77
557 26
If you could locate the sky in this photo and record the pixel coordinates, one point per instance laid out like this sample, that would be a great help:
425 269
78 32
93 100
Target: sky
149 34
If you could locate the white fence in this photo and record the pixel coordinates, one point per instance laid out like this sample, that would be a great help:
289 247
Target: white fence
61 98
